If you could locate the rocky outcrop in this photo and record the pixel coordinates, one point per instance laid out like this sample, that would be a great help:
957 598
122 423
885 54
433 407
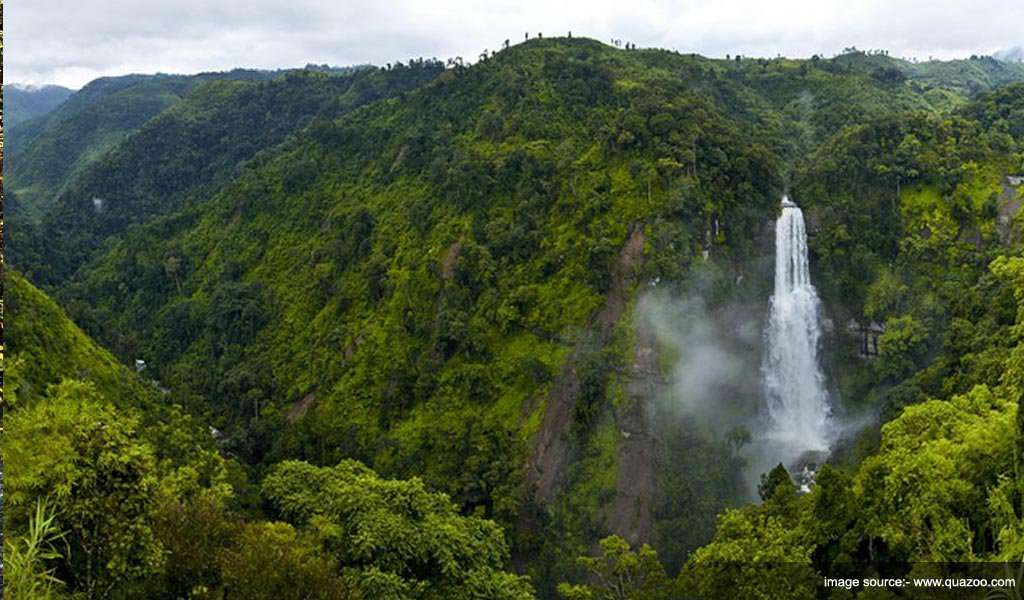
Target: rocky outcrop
1009 205
547 466
300 408
631 514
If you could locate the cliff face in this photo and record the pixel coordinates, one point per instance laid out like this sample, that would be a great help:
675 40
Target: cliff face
551 449
631 513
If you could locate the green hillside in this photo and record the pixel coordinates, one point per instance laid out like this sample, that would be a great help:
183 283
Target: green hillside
963 77
472 281
46 153
44 347
112 491
95 91
187 152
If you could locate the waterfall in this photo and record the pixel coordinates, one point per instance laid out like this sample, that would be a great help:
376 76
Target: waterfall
794 386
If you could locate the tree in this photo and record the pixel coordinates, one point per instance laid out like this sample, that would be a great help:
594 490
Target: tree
392 538
775 482
938 466
273 561
778 492
193 532
902 345
738 437
621 574
90 460
753 555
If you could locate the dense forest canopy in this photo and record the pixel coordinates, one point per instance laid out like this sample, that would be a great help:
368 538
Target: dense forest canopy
394 332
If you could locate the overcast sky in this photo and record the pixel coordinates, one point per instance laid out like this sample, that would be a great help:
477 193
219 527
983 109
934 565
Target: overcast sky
70 42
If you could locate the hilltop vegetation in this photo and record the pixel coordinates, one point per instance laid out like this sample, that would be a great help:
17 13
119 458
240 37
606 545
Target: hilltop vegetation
954 78
425 282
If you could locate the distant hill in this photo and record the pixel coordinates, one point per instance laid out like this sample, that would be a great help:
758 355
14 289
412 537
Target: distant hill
22 103
965 77
187 152
43 154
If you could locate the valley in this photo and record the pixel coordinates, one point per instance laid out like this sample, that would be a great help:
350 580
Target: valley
428 327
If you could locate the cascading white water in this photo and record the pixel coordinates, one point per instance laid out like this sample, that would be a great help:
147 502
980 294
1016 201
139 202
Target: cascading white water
798 407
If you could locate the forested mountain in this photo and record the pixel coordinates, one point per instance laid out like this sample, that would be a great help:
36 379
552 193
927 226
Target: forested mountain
45 153
962 77
187 152
469 279
22 103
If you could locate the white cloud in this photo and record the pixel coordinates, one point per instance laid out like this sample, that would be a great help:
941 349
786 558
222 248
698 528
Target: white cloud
71 42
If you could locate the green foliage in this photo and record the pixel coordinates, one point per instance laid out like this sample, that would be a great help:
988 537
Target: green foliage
699 477
738 437
435 255
774 483
184 153
351 252
68 140
271 560
46 347
27 574
621 574
936 491
25 103
962 77
917 498
903 344
394 539
102 479
49 151
754 555
194 532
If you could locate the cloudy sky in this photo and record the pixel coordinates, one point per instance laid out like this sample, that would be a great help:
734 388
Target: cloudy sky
70 42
